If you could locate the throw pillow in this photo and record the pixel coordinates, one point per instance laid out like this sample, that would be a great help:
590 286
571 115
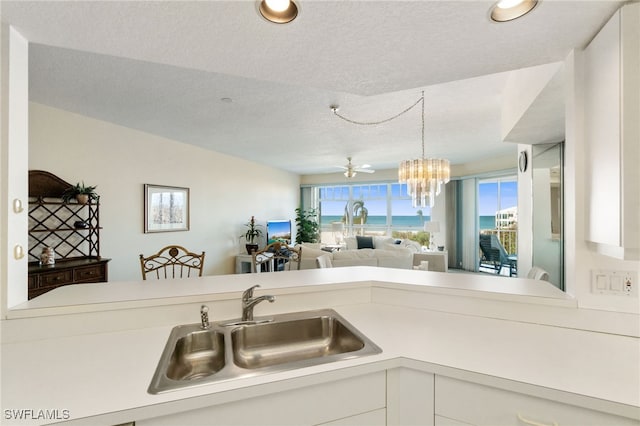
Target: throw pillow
364 242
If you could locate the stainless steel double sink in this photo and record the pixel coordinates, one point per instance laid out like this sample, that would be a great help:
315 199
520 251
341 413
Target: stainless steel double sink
234 349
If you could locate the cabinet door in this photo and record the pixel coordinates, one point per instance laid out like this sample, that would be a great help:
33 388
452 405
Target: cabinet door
409 397
612 134
602 133
309 405
486 406
372 418
445 421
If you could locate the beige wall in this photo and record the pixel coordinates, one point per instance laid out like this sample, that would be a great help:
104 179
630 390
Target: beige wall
225 191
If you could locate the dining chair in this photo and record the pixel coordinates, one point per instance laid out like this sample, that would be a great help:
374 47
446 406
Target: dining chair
172 262
275 257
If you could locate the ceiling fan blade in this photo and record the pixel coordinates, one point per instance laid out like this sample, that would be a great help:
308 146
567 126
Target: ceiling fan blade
364 170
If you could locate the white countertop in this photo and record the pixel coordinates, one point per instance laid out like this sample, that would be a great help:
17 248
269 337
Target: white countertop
105 373
118 294
109 372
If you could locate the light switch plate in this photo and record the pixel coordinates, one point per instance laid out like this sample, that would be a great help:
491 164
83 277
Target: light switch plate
619 283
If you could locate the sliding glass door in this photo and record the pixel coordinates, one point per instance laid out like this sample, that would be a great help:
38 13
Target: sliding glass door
498 225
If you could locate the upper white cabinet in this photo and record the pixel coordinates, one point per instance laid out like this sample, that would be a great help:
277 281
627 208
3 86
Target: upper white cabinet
612 135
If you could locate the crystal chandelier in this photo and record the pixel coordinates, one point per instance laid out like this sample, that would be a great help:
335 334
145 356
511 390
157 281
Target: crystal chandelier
424 176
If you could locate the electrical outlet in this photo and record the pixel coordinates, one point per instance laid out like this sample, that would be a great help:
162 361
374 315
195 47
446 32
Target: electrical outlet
620 283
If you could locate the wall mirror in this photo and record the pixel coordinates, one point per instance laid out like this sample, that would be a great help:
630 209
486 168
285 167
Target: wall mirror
548 229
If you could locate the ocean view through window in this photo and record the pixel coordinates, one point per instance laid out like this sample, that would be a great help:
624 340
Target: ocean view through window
369 209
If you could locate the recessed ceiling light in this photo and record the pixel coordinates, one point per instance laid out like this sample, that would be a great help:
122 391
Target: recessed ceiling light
506 10
278 11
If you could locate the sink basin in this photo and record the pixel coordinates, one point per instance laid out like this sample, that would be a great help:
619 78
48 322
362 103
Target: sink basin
198 354
275 343
234 349
191 354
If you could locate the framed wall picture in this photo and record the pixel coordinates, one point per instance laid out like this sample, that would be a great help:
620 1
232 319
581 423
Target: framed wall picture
166 208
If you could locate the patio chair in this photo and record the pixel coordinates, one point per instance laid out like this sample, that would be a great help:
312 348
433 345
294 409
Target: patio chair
494 255
275 257
172 262
538 273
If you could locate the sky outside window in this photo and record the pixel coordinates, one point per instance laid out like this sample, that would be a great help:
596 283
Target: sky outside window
489 203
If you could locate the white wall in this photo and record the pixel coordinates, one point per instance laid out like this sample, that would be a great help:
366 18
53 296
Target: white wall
225 191
546 249
525 214
13 163
521 91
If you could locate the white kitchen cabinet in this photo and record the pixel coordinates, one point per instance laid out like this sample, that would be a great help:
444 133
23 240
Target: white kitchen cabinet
311 405
479 405
446 421
409 397
612 135
372 418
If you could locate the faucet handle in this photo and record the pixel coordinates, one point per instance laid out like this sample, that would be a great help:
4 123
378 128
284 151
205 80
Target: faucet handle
248 293
204 316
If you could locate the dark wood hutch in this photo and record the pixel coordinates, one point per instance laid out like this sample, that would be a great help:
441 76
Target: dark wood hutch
71 228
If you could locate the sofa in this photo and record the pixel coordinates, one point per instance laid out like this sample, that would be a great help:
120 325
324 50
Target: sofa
384 252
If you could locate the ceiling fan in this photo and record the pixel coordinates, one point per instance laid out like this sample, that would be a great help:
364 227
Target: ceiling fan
350 169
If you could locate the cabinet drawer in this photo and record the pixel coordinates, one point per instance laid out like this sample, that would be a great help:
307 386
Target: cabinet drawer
54 279
486 406
34 282
90 273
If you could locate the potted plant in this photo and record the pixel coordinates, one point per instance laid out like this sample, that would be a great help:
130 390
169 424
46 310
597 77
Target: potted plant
81 192
307 224
253 232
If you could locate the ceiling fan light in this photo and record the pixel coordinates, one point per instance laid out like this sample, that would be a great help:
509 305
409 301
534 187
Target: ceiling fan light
507 10
278 11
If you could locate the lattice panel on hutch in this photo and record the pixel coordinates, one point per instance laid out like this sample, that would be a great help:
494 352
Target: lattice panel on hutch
71 228
52 223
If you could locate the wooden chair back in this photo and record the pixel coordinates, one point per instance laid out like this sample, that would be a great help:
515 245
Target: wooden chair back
277 256
324 261
172 262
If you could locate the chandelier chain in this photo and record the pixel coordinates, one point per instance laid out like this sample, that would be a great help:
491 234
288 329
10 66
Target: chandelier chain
422 99
386 120
423 177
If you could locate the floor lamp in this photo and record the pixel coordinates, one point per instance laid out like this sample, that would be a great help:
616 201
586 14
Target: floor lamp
432 228
338 229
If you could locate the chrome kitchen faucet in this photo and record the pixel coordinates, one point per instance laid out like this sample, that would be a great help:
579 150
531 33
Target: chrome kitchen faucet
248 302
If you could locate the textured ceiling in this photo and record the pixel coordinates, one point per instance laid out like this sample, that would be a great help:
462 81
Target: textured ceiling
164 67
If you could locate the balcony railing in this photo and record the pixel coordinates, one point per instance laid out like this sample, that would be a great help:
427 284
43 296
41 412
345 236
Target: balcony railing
508 238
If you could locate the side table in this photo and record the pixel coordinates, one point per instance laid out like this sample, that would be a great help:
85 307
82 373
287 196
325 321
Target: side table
438 260
243 263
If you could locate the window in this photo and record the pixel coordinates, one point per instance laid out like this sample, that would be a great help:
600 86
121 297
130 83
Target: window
369 209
